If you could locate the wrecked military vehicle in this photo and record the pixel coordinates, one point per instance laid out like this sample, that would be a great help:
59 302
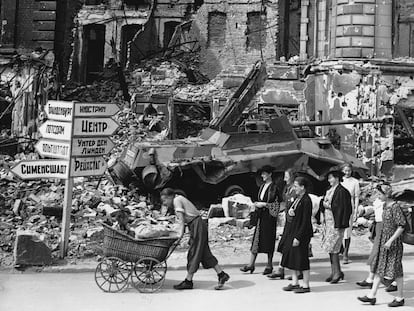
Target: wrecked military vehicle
224 158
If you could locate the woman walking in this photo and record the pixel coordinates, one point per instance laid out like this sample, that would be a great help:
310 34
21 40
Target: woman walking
352 185
337 209
199 251
289 196
295 252
266 212
387 262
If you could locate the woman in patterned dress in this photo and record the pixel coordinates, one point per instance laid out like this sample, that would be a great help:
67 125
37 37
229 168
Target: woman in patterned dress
387 262
337 209
266 212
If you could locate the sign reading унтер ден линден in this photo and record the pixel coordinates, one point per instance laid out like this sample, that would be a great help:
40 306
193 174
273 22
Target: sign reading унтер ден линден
91 146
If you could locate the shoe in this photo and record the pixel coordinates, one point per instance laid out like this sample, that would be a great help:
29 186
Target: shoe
290 288
391 288
300 277
223 277
267 271
372 301
328 279
336 280
364 284
247 269
302 290
396 303
275 275
186 284
346 261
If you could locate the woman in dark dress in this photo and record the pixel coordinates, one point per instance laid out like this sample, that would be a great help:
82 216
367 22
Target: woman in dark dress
266 212
289 196
295 252
336 208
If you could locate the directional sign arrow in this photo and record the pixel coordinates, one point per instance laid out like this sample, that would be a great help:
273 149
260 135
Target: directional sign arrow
56 130
39 169
96 109
92 166
59 110
91 146
53 148
94 127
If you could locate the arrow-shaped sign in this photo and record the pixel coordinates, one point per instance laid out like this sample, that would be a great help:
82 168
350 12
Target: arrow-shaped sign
56 130
59 110
42 169
53 148
92 166
94 127
91 146
95 109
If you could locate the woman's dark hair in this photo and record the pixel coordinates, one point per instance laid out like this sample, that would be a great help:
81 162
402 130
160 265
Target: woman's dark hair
336 174
169 192
267 168
302 182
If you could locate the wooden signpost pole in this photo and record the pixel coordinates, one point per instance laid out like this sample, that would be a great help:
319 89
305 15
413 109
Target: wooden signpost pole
67 204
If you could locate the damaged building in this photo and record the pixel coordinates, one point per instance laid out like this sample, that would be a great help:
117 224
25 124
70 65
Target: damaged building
325 59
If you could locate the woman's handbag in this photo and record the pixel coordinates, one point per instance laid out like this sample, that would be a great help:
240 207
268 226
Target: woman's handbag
372 231
408 234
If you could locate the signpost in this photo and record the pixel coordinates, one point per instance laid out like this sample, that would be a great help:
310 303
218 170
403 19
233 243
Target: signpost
92 166
35 169
53 148
94 127
56 130
91 146
76 134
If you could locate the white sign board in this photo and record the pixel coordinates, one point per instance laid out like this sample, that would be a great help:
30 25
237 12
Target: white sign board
53 148
95 109
56 130
59 110
91 146
92 166
94 127
38 169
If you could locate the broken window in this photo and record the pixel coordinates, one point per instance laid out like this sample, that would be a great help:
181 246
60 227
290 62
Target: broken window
169 28
289 28
136 3
217 28
256 30
127 34
95 2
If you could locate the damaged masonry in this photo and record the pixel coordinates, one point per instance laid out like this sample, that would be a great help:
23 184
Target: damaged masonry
196 96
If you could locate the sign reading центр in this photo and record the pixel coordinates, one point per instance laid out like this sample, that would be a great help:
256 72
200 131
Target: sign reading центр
94 127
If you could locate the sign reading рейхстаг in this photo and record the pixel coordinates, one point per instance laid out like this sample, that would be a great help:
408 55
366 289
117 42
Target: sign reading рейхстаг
94 127
91 166
39 169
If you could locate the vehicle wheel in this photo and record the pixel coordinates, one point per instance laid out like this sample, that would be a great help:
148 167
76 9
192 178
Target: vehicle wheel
112 274
148 275
232 190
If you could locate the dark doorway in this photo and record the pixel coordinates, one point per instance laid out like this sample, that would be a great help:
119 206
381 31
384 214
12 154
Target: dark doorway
289 28
169 28
127 34
95 44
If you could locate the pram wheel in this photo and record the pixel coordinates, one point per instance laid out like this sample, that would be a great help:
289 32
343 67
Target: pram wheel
112 274
148 275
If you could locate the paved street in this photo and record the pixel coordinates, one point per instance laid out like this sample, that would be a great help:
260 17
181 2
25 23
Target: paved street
78 291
